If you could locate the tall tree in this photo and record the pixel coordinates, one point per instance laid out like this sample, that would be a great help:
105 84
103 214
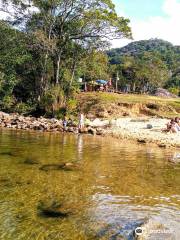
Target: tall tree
58 23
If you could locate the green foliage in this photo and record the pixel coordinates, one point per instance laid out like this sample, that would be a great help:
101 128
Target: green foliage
72 106
23 108
174 90
94 66
153 61
60 42
6 103
15 58
52 100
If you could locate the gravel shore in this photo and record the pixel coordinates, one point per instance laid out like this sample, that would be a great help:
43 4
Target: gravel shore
144 131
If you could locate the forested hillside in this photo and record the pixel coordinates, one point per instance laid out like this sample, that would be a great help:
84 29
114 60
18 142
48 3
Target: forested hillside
46 46
44 53
151 62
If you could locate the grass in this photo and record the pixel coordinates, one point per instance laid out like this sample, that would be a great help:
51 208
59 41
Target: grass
162 107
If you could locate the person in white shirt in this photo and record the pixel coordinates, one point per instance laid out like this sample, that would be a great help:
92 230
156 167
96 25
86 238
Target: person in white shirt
81 121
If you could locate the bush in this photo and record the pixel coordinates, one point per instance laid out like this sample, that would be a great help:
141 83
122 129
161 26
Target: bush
23 108
53 100
72 107
174 90
7 103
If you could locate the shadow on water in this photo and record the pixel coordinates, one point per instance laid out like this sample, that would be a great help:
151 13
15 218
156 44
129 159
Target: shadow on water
7 153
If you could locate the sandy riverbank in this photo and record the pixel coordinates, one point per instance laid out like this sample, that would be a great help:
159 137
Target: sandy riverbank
142 130
145 131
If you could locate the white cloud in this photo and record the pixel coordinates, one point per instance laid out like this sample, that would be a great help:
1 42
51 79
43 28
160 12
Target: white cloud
164 27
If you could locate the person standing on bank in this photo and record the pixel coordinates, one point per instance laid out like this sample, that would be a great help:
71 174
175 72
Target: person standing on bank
81 121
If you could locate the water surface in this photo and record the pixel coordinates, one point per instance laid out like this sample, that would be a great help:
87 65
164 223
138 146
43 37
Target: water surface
115 187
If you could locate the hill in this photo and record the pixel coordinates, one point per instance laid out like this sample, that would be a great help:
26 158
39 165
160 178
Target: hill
165 49
143 59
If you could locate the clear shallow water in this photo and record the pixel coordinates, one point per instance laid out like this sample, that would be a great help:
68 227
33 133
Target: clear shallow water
115 187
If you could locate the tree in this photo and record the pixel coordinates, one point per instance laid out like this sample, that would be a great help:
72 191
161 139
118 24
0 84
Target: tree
94 66
13 55
160 53
58 25
147 71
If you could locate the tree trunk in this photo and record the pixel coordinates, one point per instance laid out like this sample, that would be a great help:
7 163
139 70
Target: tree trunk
134 87
58 62
73 73
42 81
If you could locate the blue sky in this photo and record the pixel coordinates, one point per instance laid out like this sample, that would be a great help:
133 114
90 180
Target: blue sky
140 9
151 19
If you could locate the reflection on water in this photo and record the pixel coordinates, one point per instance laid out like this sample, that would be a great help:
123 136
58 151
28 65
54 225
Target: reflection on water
115 188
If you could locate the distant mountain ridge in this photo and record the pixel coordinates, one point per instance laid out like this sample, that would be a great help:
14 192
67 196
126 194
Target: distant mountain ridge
164 48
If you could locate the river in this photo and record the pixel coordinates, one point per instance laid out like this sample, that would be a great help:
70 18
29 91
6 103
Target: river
115 186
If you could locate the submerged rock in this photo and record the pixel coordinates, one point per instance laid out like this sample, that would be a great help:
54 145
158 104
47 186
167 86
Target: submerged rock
51 209
4 180
61 166
31 161
8 153
127 231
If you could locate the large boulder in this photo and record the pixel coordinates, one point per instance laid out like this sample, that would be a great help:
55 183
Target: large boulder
161 92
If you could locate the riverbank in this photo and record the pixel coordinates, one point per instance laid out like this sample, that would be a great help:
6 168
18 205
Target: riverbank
113 105
143 130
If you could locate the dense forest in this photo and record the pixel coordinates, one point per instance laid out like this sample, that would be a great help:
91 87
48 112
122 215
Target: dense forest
46 47
147 64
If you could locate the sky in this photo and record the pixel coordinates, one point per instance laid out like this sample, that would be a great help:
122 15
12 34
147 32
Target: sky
150 19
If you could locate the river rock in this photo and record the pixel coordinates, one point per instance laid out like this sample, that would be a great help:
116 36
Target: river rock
103 114
162 145
61 166
30 161
20 122
8 153
100 131
51 209
70 129
139 140
149 126
83 130
92 131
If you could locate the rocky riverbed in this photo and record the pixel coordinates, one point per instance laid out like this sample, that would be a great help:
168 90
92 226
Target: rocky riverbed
142 130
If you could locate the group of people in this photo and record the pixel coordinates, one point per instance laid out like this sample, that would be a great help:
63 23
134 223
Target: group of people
174 125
